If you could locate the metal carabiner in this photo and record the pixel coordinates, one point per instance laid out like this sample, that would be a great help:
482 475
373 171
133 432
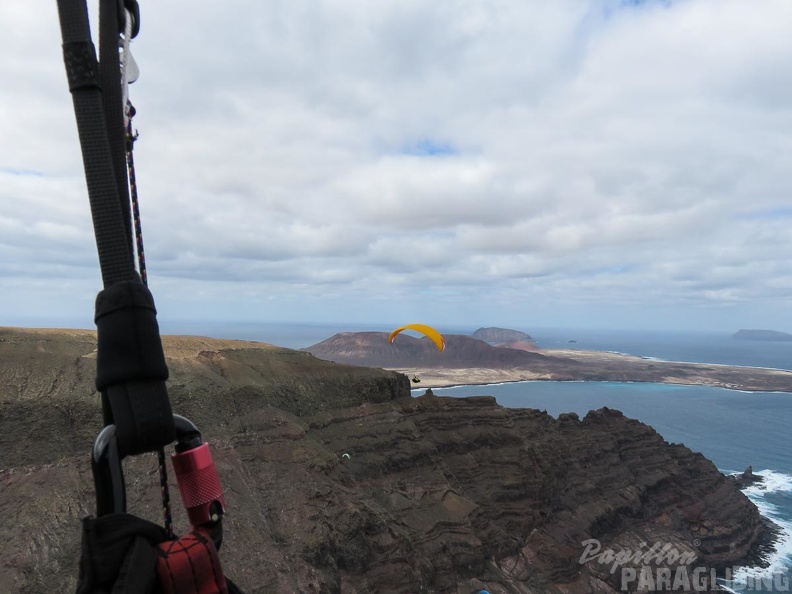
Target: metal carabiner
108 474
196 475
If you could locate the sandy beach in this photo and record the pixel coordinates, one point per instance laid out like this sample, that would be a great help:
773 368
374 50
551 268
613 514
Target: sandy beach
607 366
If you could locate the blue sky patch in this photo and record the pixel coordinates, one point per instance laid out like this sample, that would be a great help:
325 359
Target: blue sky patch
782 212
611 7
642 2
606 270
430 148
21 172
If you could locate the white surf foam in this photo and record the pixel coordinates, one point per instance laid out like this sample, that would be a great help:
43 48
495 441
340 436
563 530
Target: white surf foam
780 560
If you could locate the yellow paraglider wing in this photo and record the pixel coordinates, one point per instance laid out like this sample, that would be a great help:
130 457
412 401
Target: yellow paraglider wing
428 331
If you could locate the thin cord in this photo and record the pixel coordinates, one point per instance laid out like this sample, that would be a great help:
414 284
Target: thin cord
131 137
141 254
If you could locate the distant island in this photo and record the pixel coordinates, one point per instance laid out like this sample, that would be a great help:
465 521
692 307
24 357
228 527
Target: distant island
467 360
501 335
771 335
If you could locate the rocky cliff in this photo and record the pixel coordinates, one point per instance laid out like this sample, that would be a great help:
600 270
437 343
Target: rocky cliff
435 495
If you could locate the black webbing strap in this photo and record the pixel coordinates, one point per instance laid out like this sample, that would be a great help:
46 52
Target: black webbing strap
111 17
82 71
131 369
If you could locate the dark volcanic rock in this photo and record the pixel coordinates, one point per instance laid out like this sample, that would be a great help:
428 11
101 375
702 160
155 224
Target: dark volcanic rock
771 335
747 478
501 335
437 494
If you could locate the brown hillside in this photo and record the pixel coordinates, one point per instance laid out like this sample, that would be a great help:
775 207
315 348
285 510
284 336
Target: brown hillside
438 495
372 349
523 345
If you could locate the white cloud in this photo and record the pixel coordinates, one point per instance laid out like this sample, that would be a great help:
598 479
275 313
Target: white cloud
589 152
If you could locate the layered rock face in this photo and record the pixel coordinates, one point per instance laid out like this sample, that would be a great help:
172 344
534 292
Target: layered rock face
337 480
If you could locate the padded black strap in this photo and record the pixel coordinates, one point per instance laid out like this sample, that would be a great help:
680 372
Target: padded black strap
130 348
131 368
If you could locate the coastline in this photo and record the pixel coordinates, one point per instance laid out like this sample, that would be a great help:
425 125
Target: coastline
426 384
768 554
602 366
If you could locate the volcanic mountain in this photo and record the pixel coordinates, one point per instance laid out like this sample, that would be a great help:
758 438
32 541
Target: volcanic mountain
371 349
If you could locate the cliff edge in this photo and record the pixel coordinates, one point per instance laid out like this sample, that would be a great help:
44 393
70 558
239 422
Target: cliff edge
434 494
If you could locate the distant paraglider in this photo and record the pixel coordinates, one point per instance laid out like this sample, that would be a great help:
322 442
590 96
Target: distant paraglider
428 331
416 379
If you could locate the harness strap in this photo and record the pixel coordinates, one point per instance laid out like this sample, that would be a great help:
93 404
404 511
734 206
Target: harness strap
82 71
120 552
110 17
131 369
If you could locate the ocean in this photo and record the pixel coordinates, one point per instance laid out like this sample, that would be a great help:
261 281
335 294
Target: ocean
733 429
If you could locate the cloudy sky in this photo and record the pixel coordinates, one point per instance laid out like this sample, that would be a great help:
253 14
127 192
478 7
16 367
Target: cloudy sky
575 163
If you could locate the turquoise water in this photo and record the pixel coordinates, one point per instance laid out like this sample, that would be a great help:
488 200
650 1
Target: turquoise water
733 429
699 347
